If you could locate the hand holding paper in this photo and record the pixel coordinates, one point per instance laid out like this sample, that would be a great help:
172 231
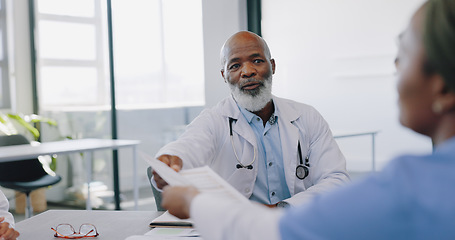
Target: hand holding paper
203 180
167 173
173 162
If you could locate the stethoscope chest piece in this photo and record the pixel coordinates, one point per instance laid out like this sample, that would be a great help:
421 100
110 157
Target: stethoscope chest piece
249 167
301 172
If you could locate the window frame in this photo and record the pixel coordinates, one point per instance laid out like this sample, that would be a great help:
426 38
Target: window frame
5 101
254 16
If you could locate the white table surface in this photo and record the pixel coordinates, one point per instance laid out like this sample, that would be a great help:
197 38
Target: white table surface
25 151
111 225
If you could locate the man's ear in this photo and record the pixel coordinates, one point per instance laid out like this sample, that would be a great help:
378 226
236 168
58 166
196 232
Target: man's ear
444 96
272 61
222 74
448 101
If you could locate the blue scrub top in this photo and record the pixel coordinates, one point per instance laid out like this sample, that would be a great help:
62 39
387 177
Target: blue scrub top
412 198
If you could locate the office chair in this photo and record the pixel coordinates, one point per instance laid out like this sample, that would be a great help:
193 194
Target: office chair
24 175
156 193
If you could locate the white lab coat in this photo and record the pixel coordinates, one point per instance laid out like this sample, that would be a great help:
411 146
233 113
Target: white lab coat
206 141
4 210
218 218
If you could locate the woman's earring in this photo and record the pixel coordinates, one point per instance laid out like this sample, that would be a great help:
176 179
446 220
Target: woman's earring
437 107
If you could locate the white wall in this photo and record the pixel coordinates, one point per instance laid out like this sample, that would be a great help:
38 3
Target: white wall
221 18
338 56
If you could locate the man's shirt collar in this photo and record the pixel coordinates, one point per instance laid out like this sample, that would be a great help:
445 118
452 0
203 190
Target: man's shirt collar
249 116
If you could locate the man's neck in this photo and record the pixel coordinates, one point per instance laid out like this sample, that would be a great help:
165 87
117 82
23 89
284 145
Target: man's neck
266 112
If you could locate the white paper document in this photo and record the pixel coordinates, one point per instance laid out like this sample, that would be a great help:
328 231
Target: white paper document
168 233
170 221
174 232
203 178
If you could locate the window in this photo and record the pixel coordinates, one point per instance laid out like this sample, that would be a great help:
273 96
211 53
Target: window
158 52
71 59
158 67
158 55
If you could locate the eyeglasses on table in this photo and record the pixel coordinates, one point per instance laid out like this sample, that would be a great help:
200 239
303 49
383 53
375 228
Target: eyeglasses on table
65 230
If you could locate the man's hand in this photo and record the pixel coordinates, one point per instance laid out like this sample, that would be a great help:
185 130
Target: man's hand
7 233
177 200
173 162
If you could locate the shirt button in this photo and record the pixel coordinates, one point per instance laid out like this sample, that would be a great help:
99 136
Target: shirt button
247 190
270 164
273 193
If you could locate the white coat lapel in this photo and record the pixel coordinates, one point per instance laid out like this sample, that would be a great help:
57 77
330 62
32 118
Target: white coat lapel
244 141
243 136
289 135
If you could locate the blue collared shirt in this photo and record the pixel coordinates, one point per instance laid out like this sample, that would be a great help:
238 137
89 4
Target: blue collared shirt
270 186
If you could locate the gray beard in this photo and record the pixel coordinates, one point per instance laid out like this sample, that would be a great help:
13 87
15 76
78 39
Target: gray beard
253 100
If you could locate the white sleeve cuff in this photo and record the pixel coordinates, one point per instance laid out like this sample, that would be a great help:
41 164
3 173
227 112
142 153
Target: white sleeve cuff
217 218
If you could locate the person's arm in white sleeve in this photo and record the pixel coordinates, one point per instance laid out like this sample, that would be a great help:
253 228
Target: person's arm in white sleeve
198 145
4 210
220 218
7 231
193 148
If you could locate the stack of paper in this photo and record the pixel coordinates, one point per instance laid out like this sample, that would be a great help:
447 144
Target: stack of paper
166 220
170 230
168 233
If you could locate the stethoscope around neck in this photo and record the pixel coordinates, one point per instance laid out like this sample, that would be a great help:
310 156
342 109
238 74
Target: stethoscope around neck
239 164
301 171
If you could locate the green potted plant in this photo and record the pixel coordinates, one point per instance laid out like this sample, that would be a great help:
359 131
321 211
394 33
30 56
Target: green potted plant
11 124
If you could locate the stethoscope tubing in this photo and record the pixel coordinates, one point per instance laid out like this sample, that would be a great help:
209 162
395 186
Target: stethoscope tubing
304 166
240 165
